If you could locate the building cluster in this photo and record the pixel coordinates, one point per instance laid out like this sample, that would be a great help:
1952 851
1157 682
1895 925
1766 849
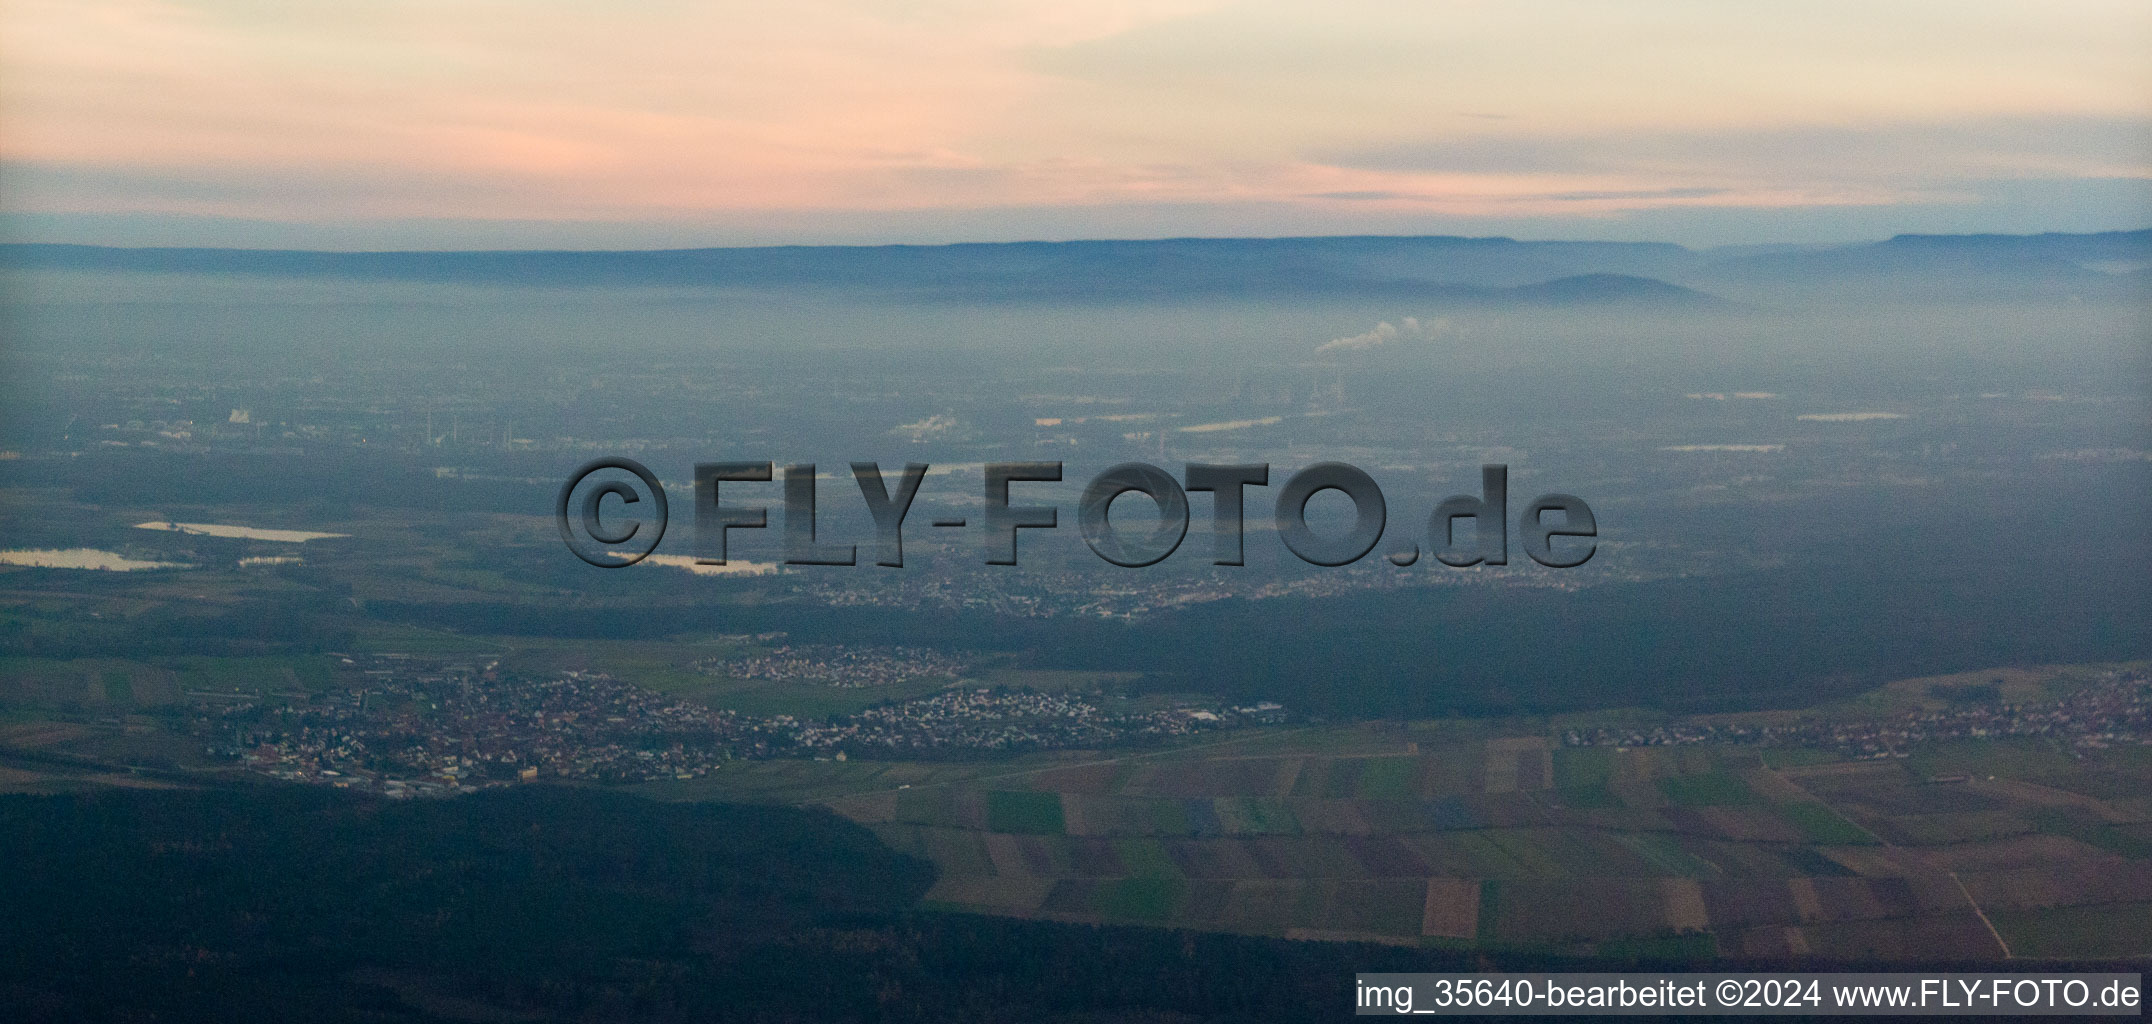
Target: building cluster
2113 709
1088 589
404 727
841 665
1012 719
414 729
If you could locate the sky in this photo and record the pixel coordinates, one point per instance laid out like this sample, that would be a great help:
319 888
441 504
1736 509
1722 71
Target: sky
544 123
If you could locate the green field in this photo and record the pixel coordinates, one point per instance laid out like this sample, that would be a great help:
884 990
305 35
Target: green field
1024 811
1140 899
2109 930
256 675
1799 757
1708 789
1145 858
1582 767
121 683
1389 778
1822 825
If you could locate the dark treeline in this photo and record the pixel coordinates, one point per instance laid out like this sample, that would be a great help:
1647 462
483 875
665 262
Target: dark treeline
542 903
256 903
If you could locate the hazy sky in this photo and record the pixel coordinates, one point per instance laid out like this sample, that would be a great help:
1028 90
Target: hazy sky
444 123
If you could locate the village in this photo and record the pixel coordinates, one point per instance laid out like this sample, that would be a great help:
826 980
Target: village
2114 709
416 728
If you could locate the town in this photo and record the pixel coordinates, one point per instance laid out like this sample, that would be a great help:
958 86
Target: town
841 665
418 728
2115 709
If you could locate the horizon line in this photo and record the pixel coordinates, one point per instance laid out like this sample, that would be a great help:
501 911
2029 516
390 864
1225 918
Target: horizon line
19 245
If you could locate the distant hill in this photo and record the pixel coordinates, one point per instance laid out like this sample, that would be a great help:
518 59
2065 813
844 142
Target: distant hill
2107 245
1466 269
1611 289
1489 271
2104 262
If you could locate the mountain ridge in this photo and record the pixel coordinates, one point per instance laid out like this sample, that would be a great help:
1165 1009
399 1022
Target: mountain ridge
1492 269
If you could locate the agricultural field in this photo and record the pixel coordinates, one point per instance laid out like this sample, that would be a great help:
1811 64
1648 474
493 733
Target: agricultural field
116 685
1471 835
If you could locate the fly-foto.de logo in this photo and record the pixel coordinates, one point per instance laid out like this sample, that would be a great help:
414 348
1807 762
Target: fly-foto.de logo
626 529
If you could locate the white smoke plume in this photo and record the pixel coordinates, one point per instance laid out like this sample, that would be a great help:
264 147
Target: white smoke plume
1385 333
